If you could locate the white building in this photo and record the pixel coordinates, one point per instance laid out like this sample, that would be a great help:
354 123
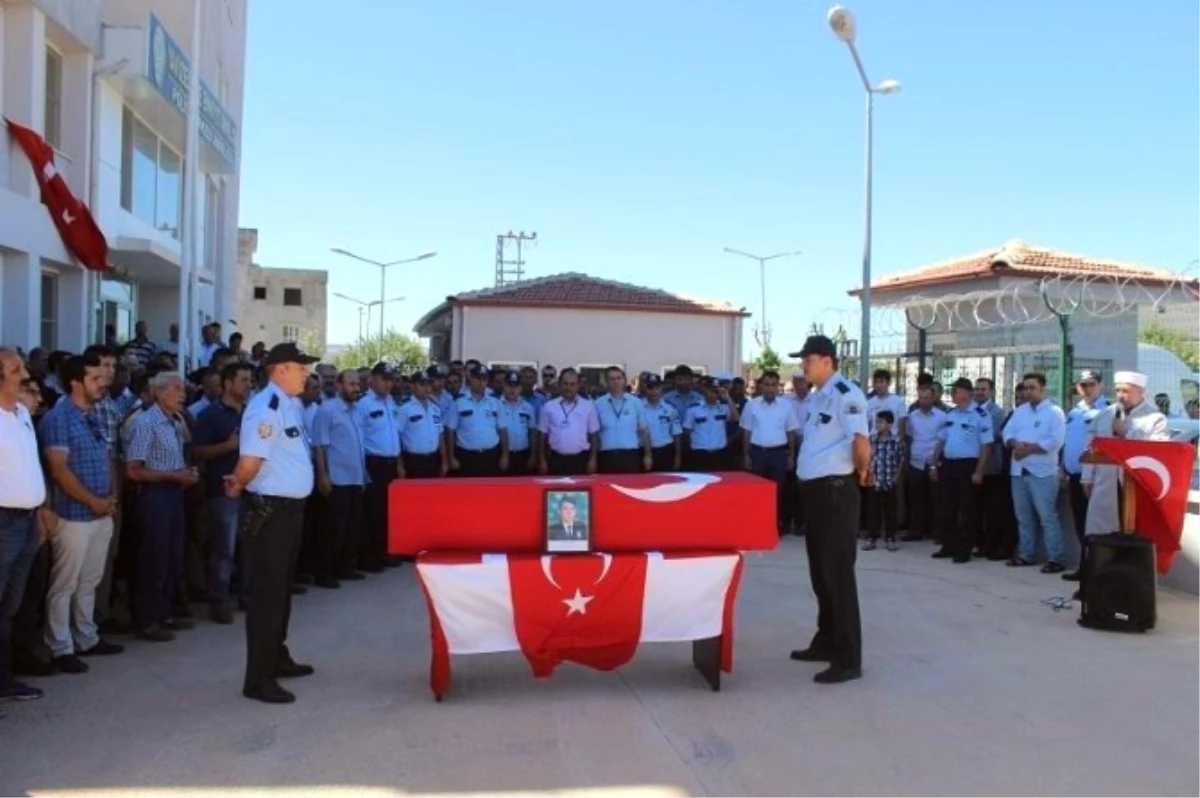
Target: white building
586 322
106 84
275 305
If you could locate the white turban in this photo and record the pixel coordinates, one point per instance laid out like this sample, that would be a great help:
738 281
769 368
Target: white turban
1135 378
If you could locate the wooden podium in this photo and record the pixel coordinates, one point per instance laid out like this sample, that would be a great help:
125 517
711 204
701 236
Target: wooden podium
1128 495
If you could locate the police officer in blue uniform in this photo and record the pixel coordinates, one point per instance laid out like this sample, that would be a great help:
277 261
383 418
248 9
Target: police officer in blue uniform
834 460
705 425
663 426
475 435
379 419
959 462
275 472
422 443
683 393
519 417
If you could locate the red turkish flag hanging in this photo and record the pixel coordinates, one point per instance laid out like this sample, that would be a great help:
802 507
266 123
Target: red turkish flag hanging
1162 473
577 608
79 232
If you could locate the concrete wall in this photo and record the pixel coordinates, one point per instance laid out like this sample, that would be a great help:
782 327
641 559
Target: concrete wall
638 341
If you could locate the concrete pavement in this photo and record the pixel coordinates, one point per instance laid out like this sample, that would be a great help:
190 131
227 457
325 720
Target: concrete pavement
972 687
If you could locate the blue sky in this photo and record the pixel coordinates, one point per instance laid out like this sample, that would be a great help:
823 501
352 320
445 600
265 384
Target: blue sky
639 138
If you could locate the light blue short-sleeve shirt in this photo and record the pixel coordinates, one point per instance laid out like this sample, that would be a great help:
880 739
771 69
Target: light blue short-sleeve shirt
837 413
476 422
273 431
420 426
379 420
965 432
336 430
520 419
662 422
620 421
705 425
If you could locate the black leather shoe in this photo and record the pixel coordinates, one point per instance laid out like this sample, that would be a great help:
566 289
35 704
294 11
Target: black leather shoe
293 670
69 663
811 654
942 554
1072 576
299 590
836 675
962 558
352 576
103 648
270 693
327 583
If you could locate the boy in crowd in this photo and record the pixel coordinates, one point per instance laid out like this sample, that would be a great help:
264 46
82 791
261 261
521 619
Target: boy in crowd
887 459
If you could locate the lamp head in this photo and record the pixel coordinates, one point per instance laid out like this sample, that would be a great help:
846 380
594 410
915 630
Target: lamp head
841 22
889 86
426 255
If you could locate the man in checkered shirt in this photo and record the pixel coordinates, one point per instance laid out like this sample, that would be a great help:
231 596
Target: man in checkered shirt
108 415
155 461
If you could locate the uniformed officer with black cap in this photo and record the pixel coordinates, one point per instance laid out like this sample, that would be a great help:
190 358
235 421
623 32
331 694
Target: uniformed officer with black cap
834 460
275 471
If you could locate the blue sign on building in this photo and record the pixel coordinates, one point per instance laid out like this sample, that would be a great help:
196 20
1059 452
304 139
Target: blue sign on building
169 72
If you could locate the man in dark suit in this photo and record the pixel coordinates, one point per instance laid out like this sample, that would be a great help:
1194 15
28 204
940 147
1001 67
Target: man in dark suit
568 528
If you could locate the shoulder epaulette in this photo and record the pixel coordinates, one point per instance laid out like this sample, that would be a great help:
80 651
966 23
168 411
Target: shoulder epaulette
980 410
842 387
274 403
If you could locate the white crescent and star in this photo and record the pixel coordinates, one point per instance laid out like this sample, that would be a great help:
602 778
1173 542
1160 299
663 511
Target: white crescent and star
577 603
688 486
1142 462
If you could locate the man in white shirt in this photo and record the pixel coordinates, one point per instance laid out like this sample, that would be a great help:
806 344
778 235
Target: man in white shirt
882 398
24 519
923 425
771 429
1035 436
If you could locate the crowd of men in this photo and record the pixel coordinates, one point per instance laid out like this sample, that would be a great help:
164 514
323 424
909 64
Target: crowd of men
130 491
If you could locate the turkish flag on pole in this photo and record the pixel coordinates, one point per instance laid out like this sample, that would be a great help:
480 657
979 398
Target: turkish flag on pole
74 221
593 609
1162 473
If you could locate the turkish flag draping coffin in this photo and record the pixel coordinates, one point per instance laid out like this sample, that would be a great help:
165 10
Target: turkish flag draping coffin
630 512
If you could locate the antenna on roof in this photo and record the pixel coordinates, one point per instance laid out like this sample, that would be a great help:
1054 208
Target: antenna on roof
511 270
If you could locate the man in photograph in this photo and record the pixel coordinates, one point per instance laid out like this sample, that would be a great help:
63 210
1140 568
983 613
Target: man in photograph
569 527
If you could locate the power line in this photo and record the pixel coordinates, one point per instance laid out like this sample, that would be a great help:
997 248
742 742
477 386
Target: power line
511 270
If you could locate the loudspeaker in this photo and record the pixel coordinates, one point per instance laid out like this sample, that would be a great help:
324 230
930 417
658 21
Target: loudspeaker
1118 584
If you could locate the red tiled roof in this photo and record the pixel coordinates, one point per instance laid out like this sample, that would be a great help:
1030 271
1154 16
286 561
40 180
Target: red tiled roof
1017 257
573 290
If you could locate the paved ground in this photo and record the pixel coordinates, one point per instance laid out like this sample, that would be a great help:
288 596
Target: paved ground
973 687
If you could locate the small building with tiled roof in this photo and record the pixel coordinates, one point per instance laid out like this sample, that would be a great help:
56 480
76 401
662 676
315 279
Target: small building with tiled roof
574 319
994 313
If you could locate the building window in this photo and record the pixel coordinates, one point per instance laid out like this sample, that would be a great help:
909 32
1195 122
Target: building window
260 293
291 333
49 310
591 376
293 298
54 84
151 176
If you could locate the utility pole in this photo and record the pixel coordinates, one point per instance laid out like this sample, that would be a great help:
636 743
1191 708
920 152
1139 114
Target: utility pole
511 270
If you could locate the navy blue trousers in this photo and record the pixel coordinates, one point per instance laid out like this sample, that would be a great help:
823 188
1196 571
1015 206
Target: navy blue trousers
160 551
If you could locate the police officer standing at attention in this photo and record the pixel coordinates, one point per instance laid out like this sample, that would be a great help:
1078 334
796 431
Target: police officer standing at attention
834 460
624 444
475 434
275 471
422 443
520 419
662 426
705 424
379 418
959 462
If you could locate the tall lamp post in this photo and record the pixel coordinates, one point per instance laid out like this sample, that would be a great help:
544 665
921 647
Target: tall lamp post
383 267
365 308
764 329
841 22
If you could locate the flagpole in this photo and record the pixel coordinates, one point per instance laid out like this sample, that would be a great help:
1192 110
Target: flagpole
188 268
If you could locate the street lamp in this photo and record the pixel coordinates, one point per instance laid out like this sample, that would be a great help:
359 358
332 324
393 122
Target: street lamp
383 275
764 330
841 22
365 308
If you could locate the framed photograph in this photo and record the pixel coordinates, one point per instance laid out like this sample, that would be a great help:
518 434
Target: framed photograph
568 521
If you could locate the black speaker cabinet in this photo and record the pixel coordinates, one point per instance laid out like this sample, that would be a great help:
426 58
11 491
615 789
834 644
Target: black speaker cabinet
1118 584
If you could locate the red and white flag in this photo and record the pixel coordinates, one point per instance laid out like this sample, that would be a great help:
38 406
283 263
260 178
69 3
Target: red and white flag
592 609
78 230
1162 473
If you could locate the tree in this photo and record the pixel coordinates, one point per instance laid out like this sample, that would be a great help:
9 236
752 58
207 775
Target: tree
398 349
1173 341
768 360
310 343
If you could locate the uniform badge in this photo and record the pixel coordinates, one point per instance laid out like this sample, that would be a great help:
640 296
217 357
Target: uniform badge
265 430
853 409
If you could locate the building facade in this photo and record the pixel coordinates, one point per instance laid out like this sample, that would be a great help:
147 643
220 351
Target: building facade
275 305
106 83
586 322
